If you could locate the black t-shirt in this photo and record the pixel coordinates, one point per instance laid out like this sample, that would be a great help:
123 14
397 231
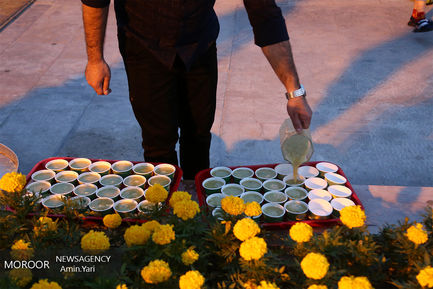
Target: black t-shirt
188 27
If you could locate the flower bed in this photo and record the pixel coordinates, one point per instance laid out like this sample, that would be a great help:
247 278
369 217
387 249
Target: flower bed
189 249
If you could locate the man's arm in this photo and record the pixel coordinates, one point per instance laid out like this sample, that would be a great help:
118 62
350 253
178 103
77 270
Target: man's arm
97 70
280 57
271 35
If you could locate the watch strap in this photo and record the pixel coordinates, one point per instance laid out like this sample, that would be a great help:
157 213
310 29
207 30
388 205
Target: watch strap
297 93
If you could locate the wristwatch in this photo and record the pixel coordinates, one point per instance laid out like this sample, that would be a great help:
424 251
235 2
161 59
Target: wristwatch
297 93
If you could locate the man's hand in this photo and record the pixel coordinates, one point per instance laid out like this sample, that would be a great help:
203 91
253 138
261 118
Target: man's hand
97 71
300 113
98 76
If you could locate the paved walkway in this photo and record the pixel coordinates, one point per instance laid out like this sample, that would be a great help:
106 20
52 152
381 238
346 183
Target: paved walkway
369 81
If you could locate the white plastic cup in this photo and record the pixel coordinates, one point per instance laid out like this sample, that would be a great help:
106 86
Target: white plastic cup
143 169
288 180
57 165
283 170
339 191
234 190
133 193
66 177
308 172
122 168
251 184
40 187
326 167
101 167
111 180
251 196
44 175
162 180
80 165
63 189
241 173
125 207
275 197
135 181
165 170
315 183
222 172
89 178
273 212
335 179
320 209
86 190
296 193
214 200
274 185
265 174
319 194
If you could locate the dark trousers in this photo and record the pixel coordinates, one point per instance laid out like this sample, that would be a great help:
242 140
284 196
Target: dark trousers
166 101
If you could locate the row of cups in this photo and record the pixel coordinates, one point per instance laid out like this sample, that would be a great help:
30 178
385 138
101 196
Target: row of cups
101 205
122 168
214 185
280 171
65 181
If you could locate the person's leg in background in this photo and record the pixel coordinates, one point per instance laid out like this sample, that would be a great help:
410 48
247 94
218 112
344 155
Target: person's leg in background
197 111
418 19
152 92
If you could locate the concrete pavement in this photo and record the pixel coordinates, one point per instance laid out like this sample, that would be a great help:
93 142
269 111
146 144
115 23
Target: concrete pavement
369 81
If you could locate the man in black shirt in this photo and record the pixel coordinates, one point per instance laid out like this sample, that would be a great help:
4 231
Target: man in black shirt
169 51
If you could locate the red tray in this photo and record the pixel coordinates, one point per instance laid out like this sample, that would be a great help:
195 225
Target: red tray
41 165
204 174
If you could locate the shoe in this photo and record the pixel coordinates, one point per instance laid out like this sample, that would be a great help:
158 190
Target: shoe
424 25
412 21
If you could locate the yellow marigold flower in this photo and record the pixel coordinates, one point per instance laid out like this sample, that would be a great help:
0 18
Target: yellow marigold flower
352 216
163 235
315 266
417 234
122 286
156 194
425 277
156 272
94 240
151 225
245 229
136 235
179 196
21 277
12 182
112 221
45 284
191 280
267 285
186 209
233 205
249 285
189 256
352 282
301 232
253 249
314 286
21 250
253 209
43 225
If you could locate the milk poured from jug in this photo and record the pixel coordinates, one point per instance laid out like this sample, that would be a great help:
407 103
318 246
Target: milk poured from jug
296 148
